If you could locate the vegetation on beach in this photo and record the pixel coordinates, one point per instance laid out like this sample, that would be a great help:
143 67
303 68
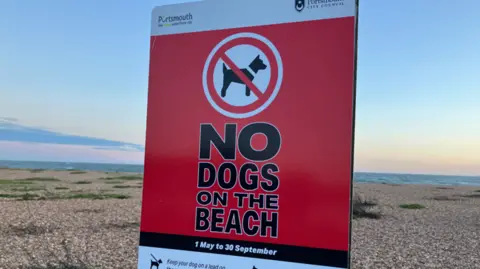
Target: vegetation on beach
27 229
36 170
126 187
127 177
41 179
28 189
114 182
25 196
83 182
444 188
22 188
97 196
412 206
78 172
15 182
67 218
62 196
361 208
10 195
444 198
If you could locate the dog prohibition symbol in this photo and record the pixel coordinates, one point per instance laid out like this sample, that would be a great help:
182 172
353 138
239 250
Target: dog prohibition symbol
155 263
251 71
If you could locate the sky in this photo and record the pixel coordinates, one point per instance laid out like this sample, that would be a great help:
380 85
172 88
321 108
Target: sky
76 72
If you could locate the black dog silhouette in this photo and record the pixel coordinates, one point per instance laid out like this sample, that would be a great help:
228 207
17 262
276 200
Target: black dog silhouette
155 262
229 76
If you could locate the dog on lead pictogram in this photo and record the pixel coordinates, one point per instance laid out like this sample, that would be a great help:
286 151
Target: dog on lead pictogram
155 262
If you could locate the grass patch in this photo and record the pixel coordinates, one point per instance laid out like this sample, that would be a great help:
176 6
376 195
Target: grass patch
444 198
477 191
82 182
9 195
362 208
61 188
126 187
132 177
14 182
77 172
97 196
29 229
76 191
363 202
28 188
41 179
29 196
68 196
391 184
36 170
91 196
445 188
412 206
13 169
114 182
25 196
104 190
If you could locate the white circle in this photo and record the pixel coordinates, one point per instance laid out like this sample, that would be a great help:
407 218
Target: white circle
275 90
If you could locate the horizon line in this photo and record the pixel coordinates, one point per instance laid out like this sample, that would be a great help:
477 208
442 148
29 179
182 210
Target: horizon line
142 164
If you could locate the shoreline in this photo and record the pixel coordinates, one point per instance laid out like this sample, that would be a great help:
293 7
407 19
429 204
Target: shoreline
142 165
474 180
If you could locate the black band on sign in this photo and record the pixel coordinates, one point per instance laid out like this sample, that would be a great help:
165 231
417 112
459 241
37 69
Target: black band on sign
314 256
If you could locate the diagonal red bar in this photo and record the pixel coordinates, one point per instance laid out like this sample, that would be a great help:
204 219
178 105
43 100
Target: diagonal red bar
241 75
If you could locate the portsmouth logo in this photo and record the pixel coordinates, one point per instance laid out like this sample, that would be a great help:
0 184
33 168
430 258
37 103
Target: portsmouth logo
299 5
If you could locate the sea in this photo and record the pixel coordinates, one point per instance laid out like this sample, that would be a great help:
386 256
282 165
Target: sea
360 177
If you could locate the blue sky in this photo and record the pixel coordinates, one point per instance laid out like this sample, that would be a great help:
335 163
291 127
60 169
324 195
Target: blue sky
80 68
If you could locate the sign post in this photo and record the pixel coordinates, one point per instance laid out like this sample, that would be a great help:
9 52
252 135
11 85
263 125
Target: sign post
249 141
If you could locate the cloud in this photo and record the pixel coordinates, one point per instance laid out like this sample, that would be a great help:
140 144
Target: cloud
25 151
9 119
13 131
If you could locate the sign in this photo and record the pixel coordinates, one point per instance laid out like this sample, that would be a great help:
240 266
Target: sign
249 140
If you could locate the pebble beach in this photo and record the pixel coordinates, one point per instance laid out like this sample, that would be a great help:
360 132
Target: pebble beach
91 220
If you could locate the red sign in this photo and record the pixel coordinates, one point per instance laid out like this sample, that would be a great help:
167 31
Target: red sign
248 160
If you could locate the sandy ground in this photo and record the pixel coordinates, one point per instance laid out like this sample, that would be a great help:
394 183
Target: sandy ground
92 218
